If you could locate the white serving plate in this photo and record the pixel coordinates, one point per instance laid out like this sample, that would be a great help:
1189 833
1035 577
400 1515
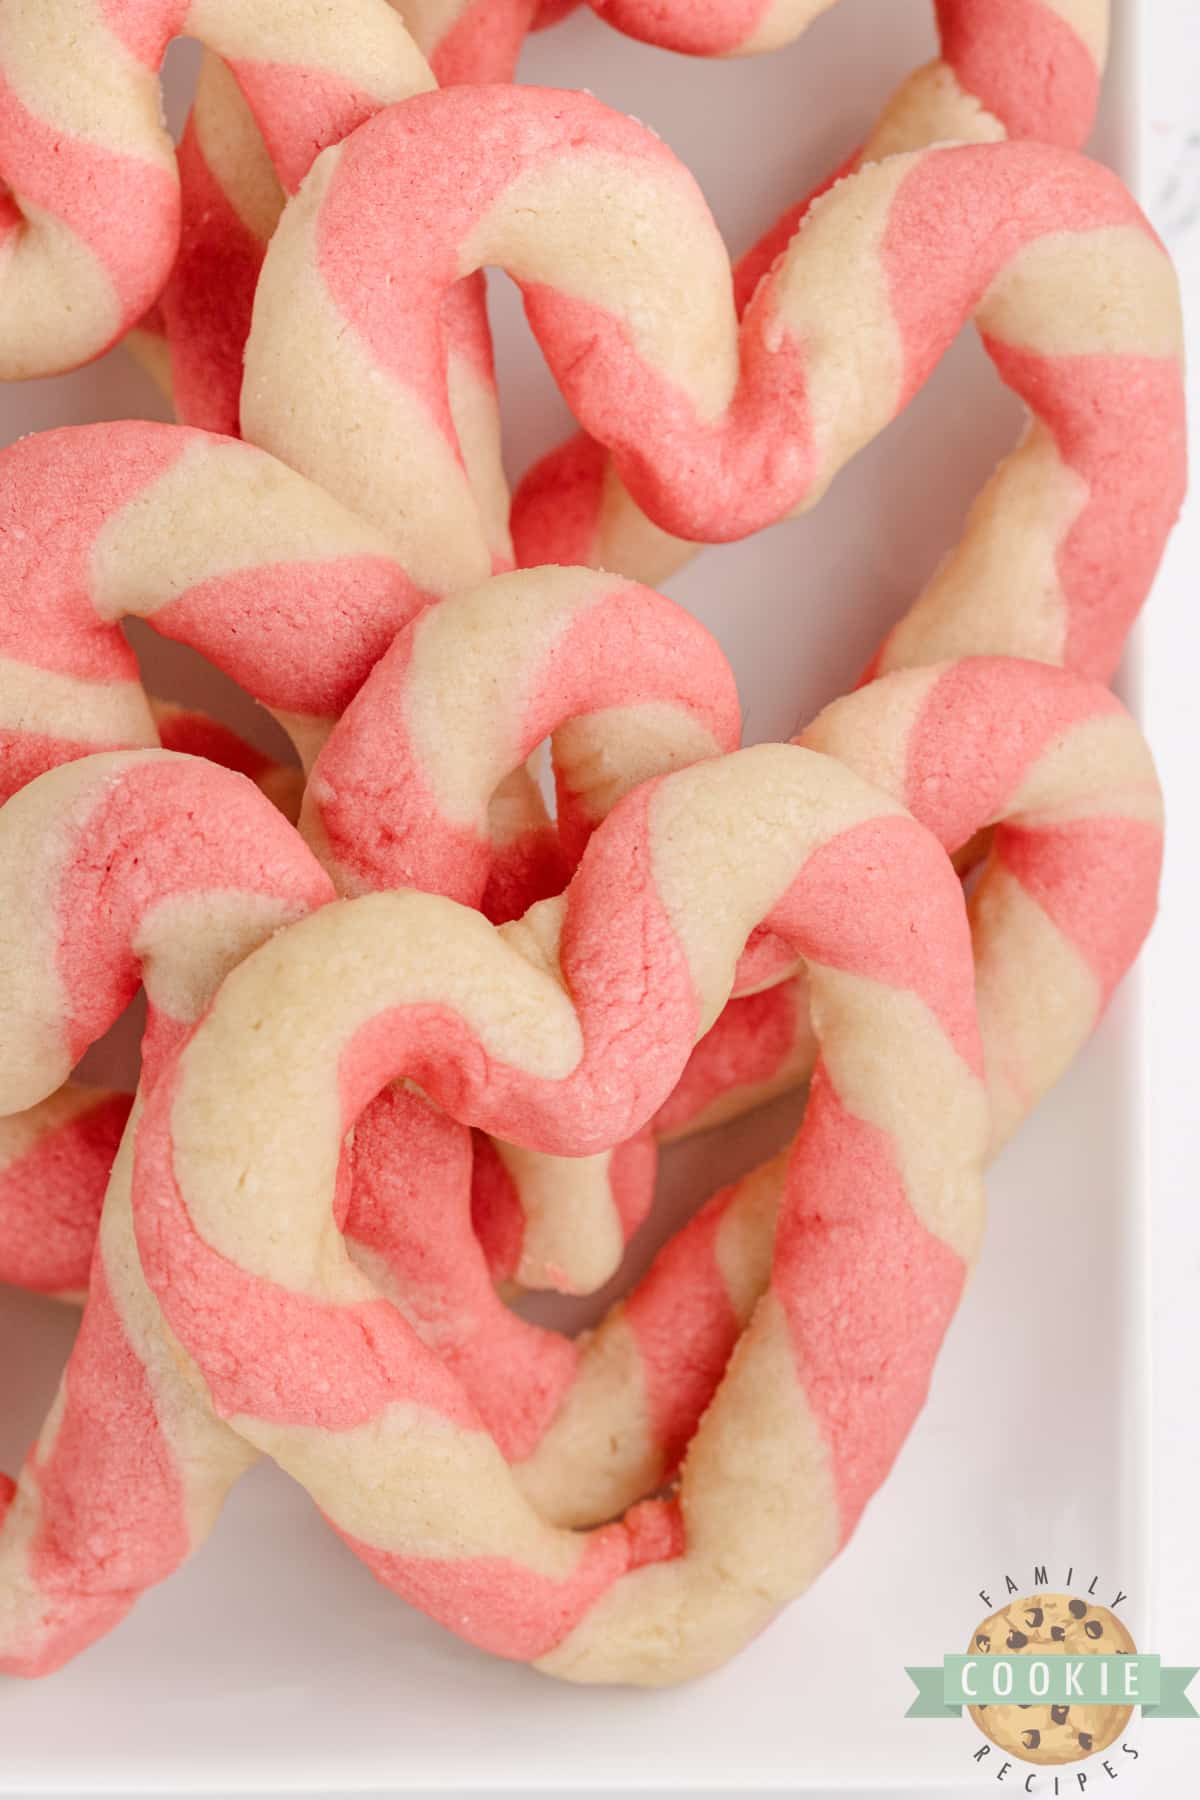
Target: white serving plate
273 1663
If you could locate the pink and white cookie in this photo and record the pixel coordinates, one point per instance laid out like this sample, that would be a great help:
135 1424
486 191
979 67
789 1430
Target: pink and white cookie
91 217
1060 776
215 544
622 681
137 866
56 1157
55 1160
625 685
1057 772
718 428
565 1031
231 198
316 586
1007 68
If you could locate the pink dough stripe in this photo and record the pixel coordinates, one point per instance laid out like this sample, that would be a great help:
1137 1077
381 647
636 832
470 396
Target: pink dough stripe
685 1326
207 301
376 794
1097 879
747 1044
483 43
124 208
301 635
940 259
55 498
631 1172
24 755
194 734
317 626
145 27
50 1200
1119 421
133 863
281 1355
497 1218
504 1607
556 506
1025 63
109 1462
957 777
304 111
873 901
867 1291
412 1180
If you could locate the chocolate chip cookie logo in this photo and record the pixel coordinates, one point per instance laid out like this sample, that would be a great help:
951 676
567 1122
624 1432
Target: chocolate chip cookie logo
1043 1625
1051 1678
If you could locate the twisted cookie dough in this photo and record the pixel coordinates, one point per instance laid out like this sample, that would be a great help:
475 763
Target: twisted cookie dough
565 1031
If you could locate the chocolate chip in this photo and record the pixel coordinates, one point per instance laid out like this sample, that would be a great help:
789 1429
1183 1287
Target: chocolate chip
1057 1633
1085 1740
1060 1714
983 1641
1016 1640
1031 1739
1078 1608
1035 1618
1094 1628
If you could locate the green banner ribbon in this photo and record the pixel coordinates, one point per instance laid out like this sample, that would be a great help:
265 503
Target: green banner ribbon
1173 1702
1121 1680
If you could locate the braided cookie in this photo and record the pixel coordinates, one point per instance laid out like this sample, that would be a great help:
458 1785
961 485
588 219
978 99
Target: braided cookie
427 739
715 430
222 548
1063 904
214 543
1023 71
55 1158
118 865
679 705
565 1032
296 599
92 217
625 685
130 865
622 681
1062 907
231 198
